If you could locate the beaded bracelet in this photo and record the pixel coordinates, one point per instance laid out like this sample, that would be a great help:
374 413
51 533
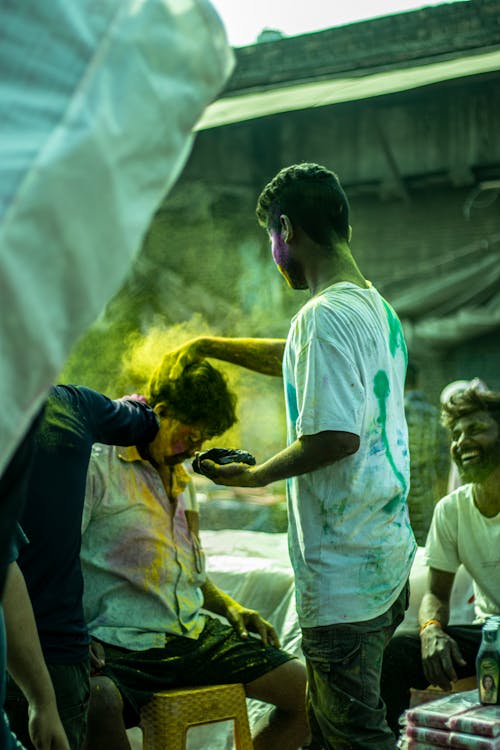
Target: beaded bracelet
427 623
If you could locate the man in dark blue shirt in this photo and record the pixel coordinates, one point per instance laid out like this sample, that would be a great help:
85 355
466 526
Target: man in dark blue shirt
25 661
74 419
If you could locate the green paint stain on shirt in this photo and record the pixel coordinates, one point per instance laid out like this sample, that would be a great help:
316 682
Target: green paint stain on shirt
392 505
325 518
342 506
396 337
381 389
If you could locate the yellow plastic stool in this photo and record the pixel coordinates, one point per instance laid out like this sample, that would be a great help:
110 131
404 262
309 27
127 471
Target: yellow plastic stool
166 719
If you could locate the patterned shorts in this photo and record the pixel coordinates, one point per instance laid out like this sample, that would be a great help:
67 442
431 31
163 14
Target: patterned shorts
216 657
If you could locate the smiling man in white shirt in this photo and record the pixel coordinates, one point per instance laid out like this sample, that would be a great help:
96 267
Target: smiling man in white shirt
465 530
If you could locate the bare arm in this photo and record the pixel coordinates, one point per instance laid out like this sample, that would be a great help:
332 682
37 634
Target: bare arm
306 454
435 603
26 664
260 355
241 618
439 651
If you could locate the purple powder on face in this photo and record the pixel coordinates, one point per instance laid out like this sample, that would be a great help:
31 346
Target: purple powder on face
280 251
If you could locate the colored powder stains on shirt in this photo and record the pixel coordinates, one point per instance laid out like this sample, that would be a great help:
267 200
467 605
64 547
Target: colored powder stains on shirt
153 570
60 425
381 389
291 397
140 568
141 555
396 337
392 505
325 518
370 573
342 506
402 444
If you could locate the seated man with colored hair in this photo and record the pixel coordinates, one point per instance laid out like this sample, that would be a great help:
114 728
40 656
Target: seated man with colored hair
145 580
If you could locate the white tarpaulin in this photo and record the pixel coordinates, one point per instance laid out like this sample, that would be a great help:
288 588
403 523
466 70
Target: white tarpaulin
97 105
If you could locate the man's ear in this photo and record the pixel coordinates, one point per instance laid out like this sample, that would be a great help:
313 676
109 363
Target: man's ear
286 228
159 409
349 235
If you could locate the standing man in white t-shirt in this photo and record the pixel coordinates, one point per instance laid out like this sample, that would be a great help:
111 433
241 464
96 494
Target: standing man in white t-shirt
465 530
346 463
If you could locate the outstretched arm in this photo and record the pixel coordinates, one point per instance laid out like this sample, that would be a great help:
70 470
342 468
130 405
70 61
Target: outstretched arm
242 619
440 652
260 355
26 664
308 453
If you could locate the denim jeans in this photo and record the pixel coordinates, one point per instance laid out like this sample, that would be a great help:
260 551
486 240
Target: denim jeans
344 663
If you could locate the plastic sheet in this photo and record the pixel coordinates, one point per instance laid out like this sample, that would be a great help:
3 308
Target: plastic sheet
97 105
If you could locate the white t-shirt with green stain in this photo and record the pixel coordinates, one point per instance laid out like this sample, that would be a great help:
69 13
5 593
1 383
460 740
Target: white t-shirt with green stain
460 534
350 539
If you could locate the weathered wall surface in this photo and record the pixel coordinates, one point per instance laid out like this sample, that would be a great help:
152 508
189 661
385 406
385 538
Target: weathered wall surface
426 35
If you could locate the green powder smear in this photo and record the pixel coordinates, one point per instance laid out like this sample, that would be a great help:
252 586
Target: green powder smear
381 389
396 338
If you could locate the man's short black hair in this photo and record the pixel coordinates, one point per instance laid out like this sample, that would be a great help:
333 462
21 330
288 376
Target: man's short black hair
312 197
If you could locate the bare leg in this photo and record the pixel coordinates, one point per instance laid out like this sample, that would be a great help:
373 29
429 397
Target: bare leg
286 726
105 728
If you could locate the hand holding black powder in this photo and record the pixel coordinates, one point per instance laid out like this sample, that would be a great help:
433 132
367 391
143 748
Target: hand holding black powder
222 456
